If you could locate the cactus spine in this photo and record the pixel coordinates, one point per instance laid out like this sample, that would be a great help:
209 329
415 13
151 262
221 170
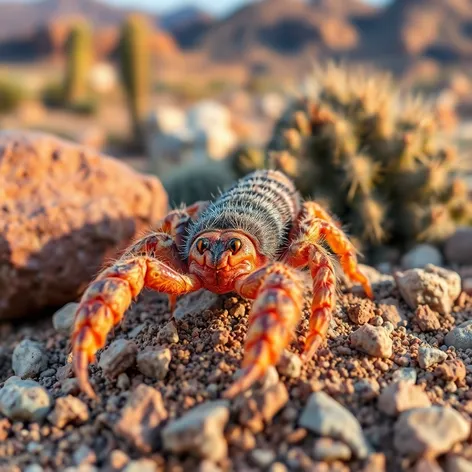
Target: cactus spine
135 59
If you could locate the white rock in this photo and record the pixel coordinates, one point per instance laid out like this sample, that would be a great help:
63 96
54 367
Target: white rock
24 400
406 374
429 356
433 286
326 417
207 115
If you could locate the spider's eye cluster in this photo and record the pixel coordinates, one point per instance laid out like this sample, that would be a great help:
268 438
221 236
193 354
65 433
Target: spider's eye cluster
202 245
235 245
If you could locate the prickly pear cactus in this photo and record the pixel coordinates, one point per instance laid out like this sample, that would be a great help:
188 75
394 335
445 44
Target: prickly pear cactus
378 159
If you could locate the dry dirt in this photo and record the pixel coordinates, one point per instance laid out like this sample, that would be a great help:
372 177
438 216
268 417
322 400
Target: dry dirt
208 353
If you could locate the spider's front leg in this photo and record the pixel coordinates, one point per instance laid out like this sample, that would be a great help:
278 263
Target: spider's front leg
305 250
278 293
152 262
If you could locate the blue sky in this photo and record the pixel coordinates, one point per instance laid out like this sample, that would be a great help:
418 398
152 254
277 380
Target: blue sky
216 6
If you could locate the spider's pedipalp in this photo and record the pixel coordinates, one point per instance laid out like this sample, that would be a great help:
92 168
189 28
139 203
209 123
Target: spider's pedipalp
277 290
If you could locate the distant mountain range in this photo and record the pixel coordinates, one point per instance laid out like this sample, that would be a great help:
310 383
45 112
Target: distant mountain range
276 33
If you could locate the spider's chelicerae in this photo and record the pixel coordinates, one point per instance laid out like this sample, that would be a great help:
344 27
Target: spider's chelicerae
252 240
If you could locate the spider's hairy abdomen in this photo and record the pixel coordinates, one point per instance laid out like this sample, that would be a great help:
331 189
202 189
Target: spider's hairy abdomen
264 205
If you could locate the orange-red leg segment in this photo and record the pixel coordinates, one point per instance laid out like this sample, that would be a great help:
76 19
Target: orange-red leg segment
277 291
109 296
346 251
324 292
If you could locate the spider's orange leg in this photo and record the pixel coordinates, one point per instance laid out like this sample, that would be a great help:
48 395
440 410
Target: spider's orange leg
346 252
324 291
277 291
108 297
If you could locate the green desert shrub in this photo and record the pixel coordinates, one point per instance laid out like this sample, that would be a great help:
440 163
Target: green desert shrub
11 95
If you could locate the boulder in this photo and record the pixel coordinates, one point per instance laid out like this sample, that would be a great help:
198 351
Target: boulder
65 210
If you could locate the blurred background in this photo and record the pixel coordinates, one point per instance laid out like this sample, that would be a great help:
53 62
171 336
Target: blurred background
205 76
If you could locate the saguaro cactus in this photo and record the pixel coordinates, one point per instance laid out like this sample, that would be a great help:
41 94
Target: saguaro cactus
135 59
79 61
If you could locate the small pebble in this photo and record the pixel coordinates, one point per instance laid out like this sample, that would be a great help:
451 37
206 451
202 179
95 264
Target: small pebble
326 449
429 431
154 363
199 431
63 319
119 356
24 400
402 396
461 336
168 334
429 356
290 365
373 340
29 359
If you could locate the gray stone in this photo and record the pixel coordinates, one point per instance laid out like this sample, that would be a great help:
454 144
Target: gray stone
429 356
63 319
420 256
461 336
24 400
263 458
326 417
154 363
458 248
199 431
373 340
120 356
29 359
168 333
429 431
406 374
194 304
433 286
141 418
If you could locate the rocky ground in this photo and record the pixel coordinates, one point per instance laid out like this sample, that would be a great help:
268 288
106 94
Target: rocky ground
391 391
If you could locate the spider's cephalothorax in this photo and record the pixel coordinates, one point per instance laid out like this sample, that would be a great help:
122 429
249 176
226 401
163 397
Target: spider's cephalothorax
252 240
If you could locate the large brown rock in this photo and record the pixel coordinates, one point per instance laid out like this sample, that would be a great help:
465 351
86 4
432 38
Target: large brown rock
64 211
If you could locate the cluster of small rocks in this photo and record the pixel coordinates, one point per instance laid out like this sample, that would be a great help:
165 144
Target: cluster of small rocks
391 390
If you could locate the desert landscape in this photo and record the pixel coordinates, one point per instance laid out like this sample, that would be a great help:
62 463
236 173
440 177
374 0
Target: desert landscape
112 117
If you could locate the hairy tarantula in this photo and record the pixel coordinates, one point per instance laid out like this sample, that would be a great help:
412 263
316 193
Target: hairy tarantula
252 240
